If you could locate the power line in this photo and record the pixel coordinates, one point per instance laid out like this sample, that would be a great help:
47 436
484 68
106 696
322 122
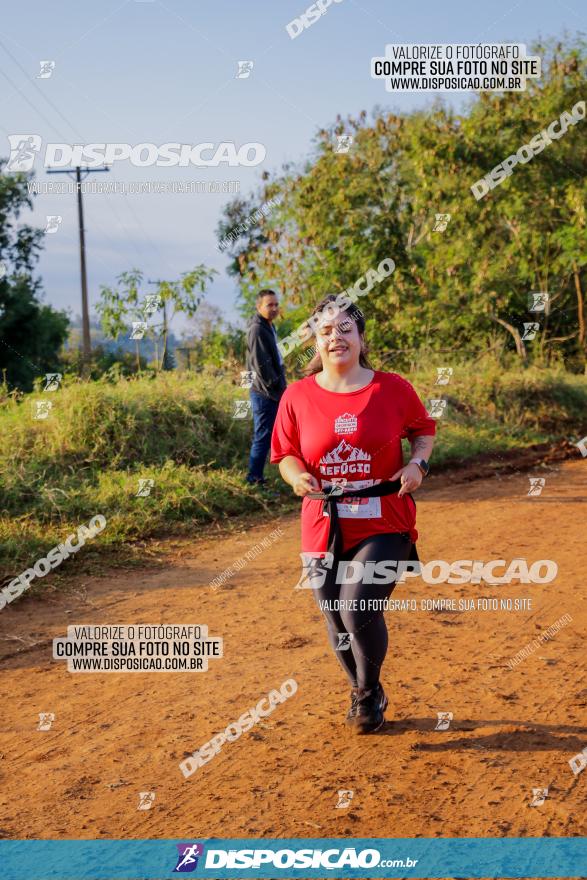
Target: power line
30 103
59 134
40 91
153 244
64 139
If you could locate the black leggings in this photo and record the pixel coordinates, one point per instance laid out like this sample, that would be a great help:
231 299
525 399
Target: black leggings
363 659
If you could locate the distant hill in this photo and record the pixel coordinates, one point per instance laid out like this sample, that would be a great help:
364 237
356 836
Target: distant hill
123 343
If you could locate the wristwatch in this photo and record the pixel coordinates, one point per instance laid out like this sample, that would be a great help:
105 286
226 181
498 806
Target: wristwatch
422 464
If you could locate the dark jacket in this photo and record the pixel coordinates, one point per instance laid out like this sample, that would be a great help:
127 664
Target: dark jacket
263 359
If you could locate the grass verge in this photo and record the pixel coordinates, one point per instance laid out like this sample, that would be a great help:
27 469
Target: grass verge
177 430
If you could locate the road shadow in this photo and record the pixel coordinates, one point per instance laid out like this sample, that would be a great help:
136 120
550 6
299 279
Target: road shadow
523 736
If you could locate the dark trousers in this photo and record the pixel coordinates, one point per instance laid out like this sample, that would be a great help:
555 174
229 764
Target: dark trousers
264 413
367 647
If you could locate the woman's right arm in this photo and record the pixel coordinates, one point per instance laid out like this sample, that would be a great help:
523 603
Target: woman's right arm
294 472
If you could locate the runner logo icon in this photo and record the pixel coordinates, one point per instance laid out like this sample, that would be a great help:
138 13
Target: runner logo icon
539 795
187 859
23 149
344 641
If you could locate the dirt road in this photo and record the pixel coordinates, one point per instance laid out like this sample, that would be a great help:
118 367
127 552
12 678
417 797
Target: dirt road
115 735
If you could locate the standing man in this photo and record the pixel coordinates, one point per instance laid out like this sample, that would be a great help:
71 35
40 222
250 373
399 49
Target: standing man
264 360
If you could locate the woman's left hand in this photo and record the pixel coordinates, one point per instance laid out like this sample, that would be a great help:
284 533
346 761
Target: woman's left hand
411 478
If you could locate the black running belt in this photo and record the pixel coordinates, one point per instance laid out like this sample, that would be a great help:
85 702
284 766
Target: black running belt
337 493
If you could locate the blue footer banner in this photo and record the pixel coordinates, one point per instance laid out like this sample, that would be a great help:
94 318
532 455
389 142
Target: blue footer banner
300 857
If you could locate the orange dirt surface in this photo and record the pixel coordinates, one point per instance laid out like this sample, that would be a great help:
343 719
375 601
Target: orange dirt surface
117 734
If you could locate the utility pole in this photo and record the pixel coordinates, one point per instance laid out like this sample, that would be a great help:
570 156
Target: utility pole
86 339
165 364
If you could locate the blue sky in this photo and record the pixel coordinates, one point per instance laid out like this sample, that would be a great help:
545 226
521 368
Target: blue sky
164 71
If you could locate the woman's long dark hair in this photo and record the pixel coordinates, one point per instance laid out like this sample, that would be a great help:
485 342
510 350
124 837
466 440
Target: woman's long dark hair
355 314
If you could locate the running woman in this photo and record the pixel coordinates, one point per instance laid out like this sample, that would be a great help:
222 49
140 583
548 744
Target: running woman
336 430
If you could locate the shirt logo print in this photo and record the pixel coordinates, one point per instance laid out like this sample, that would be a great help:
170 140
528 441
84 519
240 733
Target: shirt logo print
345 424
345 459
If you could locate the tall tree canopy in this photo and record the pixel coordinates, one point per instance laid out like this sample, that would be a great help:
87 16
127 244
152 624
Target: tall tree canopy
341 213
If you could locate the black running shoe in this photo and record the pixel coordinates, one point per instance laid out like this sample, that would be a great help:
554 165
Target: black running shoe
352 713
371 704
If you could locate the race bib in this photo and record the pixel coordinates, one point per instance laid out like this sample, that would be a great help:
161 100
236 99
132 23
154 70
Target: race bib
359 508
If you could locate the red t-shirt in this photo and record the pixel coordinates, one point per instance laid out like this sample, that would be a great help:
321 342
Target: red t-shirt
354 436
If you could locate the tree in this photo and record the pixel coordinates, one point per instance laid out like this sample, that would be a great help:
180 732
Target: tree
468 285
31 332
120 306
215 341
